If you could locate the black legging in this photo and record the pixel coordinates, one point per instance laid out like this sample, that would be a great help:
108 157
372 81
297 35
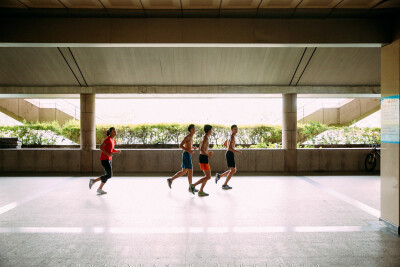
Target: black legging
107 165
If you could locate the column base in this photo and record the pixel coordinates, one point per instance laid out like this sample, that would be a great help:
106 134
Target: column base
290 161
86 161
391 226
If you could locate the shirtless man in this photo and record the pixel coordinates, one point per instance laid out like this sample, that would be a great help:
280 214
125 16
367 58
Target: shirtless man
230 158
204 165
188 149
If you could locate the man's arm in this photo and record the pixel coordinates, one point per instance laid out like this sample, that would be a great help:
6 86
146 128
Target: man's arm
191 145
181 145
226 143
231 148
184 147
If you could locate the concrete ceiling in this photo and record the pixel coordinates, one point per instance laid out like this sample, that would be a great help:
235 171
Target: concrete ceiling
349 66
189 66
34 66
199 8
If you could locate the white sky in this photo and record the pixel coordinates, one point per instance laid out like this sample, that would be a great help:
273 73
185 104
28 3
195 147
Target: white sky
215 111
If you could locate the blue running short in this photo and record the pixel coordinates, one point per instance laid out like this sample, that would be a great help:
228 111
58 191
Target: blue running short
187 160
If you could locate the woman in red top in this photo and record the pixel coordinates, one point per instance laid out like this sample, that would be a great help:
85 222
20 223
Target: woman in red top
107 149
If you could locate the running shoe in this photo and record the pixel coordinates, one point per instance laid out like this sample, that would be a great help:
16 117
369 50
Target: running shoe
195 190
202 194
91 182
169 182
101 192
217 177
192 188
226 187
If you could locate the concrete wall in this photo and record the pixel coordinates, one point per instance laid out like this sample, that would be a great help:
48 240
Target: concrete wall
315 116
28 111
166 160
40 160
332 159
390 176
323 115
331 115
53 114
20 109
356 109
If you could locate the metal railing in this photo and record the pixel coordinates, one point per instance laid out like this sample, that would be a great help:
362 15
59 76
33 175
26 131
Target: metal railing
63 105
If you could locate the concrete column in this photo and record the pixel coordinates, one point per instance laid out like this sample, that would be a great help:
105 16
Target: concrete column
390 162
88 131
289 131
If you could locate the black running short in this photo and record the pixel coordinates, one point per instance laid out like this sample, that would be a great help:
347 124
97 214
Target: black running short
203 159
107 165
230 159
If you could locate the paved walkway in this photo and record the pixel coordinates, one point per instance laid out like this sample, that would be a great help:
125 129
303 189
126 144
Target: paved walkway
263 221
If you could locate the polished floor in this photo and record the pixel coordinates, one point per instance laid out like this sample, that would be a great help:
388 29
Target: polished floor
263 221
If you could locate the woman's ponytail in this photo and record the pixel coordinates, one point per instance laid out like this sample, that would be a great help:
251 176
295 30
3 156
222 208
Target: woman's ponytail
109 131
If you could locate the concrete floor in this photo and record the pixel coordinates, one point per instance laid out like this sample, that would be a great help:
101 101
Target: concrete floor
263 221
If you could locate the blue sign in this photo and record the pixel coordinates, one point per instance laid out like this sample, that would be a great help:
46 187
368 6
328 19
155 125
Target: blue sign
390 119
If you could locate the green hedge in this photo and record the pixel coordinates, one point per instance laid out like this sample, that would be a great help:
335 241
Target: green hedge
259 136
174 133
33 134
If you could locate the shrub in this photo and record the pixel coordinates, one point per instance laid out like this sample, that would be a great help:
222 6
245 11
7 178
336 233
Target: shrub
258 136
310 130
34 133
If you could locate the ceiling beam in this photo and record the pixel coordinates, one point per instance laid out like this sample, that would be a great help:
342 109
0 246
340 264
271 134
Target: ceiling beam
207 31
196 90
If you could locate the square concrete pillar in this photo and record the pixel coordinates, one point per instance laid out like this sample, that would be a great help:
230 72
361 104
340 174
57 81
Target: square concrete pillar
390 123
88 131
289 131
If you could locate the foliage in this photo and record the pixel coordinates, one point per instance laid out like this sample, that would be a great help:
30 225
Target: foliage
257 136
347 136
174 133
267 145
34 133
71 130
310 130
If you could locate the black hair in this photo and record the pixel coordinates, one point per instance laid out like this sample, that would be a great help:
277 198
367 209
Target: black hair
191 126
233 126
109 131
207 128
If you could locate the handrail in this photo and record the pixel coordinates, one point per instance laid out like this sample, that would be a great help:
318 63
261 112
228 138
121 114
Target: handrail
317 104
62 105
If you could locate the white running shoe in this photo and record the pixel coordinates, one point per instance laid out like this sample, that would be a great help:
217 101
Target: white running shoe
101 192
91 182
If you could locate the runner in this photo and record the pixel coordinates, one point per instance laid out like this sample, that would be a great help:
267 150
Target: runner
188 150
107 149
204 165
230 158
